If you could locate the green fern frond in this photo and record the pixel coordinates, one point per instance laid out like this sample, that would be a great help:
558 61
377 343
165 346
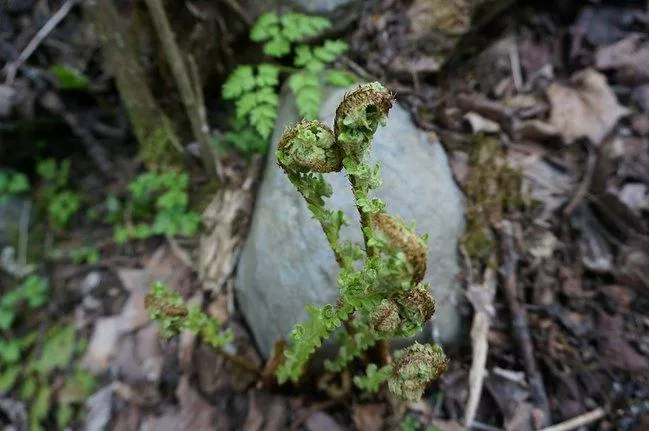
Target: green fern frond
266 27
308 93
298 27
340 78
239 82
330 50
373 378
267 75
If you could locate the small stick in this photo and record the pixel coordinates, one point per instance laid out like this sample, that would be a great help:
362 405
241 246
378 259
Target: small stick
50 25
520 321
578 421
583 187
515 61
482 302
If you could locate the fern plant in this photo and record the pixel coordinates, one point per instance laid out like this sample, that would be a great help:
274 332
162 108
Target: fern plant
255 88
381 293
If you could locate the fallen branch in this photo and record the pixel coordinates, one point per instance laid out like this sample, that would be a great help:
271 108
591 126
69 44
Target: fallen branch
578 421
188 94
584 186
481 297
11 68
520 321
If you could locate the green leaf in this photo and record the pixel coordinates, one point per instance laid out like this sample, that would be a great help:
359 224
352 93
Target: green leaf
267 75
69 78
263 119
28 388
308 94
77 387
8 378
40 408
340 78
47 169
34 289
18 183
7 317
267 26
64 414
241 81
330 50
58 349
10 351
121 235
277 47
298 27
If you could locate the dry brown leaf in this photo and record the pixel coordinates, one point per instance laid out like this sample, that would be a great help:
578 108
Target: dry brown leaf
615 349
368 417
587 107
194 413
629 58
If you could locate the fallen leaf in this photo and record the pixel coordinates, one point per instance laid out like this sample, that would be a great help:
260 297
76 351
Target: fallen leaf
536 130
478 124
585 108
640 124
629 58
194 413
98 408
103 344
614 348
641 96
266 412
369 417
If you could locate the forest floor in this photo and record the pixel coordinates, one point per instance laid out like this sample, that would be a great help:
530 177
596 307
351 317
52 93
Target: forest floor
555 269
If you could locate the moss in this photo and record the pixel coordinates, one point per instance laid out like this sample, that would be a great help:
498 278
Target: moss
493 190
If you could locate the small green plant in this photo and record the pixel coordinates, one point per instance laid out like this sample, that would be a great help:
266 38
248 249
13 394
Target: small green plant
85 255
411 424
12 184
33 293
69 78
61 203
255 88
158 205
170 311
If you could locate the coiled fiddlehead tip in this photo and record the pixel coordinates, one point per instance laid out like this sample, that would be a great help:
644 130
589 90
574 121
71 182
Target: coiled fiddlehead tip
418 305
358 116
409 242
309 146
414 367
385 318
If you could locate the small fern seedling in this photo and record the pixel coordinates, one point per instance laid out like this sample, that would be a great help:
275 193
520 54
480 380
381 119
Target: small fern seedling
255 88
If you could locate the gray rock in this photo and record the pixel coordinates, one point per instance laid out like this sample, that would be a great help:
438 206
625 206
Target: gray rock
286 262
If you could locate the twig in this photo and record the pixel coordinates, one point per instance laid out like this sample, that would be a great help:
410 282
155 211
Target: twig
179 70
515 61
50 25
482 301
578 421
520 321
585 182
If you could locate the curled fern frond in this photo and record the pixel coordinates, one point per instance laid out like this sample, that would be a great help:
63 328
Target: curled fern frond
309 146
403 239
359 115
414 367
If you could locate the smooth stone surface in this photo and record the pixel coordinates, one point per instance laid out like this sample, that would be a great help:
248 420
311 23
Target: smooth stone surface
286 262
